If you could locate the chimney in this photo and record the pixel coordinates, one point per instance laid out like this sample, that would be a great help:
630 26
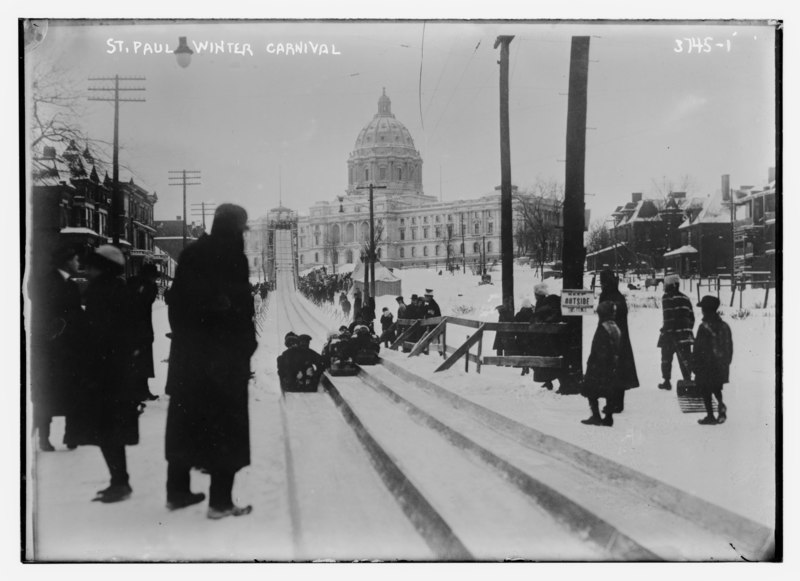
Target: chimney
177 217
771 175
636 197
726 187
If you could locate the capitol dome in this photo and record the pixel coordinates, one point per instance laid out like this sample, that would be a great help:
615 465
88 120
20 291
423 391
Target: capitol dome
384 129
384 154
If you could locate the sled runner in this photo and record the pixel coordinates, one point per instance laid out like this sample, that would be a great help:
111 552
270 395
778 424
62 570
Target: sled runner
342 368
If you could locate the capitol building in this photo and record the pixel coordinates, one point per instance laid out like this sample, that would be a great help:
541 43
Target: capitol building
412 229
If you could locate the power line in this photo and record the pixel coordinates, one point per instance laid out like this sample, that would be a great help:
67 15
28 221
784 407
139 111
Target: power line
181 179
421 60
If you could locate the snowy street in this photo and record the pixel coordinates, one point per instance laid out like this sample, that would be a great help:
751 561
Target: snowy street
317 495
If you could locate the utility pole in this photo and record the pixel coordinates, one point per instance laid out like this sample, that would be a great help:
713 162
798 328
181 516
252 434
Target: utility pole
463 247
116 202
506 227
371 251
203 209
184 178
573 251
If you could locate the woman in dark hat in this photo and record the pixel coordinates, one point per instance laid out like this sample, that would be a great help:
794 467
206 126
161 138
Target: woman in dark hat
108 413
711 359
626 367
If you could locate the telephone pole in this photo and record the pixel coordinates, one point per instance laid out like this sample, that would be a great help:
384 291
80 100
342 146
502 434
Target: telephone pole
116 202
184 178
506 216
203 209
371 252
573 251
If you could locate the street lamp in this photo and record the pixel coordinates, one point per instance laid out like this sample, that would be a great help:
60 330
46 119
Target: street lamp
183 54
371 252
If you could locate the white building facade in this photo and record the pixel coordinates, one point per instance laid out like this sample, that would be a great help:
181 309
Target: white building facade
412 229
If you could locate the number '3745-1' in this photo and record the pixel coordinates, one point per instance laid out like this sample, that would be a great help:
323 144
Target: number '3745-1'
690 45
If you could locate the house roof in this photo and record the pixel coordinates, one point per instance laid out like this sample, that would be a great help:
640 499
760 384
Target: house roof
688 249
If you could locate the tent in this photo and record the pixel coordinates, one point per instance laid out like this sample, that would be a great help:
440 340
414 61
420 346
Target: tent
386 283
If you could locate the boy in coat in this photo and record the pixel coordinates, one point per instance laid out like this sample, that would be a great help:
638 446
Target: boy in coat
713 352
676 333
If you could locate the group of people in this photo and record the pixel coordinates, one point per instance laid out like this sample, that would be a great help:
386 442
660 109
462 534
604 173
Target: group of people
91 363
610 369
299 366
321 287
546 310
92 356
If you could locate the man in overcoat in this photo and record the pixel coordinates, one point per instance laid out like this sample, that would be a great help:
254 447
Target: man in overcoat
143 290
711 360
676 335
213 338
57 337
626 369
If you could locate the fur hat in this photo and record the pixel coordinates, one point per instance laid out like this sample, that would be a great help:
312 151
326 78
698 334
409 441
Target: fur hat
526 304
672 279
541 289
290 339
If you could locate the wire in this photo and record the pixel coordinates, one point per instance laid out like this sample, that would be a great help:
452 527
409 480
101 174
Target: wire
421 60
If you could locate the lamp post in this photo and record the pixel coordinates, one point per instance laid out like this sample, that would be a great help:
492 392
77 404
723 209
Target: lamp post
183 54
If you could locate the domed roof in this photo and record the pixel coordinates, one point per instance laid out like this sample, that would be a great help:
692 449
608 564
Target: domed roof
384 130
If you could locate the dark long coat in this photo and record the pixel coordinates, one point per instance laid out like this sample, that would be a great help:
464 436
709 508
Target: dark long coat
107 410
628 378
600 379
504 340
713 351
523 343
143 293
57 343
213 338
546 310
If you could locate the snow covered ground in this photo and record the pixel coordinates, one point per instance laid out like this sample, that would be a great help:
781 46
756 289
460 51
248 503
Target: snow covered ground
732 465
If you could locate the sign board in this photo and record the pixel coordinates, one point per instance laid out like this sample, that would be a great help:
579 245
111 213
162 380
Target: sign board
577 302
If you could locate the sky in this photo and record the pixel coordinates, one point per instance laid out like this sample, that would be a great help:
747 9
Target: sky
263 127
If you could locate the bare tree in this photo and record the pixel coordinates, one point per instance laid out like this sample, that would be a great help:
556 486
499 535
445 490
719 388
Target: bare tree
598 236
662 188
538 234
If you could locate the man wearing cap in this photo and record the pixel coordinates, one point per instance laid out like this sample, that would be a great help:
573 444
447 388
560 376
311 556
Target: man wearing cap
401 308
57 335
213 337
713 353
290 341
431 306
676 335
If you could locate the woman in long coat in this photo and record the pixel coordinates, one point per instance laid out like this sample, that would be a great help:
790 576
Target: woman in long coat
213 338
626 368
108 408
547 310
503 340
522 343
601 375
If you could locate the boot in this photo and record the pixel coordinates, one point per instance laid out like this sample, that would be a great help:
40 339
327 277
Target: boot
218 513
114 493
548 385
722 414
707 421
594 420
608 420
185 500
665 385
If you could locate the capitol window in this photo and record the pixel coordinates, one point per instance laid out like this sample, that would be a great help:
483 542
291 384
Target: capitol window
490 227
425 251
488 247
402 253
413 251
383 171
402 233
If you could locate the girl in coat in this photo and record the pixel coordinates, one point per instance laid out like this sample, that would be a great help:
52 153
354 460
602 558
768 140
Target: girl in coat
601 368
